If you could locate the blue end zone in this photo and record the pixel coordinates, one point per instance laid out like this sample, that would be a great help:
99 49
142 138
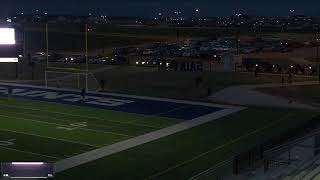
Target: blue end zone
116 103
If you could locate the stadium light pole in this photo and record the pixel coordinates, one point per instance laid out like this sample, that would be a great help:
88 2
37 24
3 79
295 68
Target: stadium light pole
87 65
318 63
24 43
47 44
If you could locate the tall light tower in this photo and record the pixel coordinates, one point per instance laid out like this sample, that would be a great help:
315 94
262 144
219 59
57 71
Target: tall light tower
47 44
197 12
318 60
86 54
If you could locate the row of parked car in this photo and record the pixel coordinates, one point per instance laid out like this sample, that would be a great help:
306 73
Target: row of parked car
41 57
252 64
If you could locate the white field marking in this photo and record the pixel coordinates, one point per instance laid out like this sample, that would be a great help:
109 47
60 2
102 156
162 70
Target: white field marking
146 116
61 125
73 126
58 119
7 143
139 140
82 150
81 116
218 148
158 114
46 137
123 95
27 152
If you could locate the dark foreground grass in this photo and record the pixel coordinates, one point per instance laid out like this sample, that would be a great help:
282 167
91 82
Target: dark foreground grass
190 152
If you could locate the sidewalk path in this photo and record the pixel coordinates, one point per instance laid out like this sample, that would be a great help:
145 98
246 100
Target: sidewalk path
247 95
136 141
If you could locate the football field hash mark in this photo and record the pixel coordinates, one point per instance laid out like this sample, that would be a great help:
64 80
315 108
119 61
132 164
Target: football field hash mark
7 143
73 126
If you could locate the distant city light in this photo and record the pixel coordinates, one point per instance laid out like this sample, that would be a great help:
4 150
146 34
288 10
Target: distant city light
197 10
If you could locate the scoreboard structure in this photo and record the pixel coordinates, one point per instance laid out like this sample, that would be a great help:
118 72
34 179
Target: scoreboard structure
26 170
10 49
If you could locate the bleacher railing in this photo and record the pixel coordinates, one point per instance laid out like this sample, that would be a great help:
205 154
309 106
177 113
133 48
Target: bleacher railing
220 171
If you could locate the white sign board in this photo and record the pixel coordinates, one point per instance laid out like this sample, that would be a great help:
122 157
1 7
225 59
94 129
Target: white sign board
8 60
7 36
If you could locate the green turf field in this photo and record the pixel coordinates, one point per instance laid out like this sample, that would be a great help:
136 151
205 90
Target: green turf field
40 131
188 153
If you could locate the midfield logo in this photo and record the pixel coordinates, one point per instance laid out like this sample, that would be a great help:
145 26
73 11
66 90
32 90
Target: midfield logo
67 97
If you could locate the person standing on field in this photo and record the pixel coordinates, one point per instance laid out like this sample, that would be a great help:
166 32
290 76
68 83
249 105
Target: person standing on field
9 92
83 94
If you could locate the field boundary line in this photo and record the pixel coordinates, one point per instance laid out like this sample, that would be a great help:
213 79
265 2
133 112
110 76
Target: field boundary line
47 137
56 124
124 95
28 152
218 148
158 114
53 118
80 159
58 119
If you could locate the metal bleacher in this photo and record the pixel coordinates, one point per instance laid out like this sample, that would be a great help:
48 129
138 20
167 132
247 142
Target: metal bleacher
309 172
296 160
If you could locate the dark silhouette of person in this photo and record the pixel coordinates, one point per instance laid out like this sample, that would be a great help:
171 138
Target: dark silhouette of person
83 94
102 84
290 78
256 74
209 91
9 91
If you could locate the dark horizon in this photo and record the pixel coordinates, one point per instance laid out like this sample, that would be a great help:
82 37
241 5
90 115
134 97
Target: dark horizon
143 8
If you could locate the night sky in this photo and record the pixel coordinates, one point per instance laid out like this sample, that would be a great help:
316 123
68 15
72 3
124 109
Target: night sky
148 8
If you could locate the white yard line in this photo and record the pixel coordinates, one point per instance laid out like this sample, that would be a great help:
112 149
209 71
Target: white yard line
64 125
139 140
47 137
27 152
58 119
